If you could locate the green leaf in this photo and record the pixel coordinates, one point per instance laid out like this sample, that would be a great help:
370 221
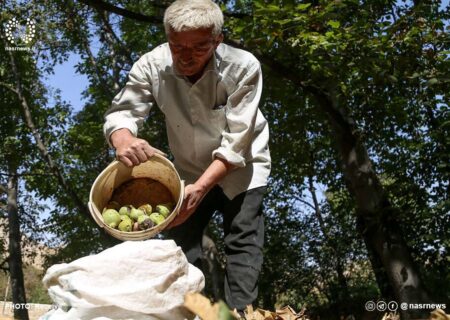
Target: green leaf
432 81
270 8
303 6
414 76
334 24
392 78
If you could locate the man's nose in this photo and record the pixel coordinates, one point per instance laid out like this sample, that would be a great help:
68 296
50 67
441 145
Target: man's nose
186 53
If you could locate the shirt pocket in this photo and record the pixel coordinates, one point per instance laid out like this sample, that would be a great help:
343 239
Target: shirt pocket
217 119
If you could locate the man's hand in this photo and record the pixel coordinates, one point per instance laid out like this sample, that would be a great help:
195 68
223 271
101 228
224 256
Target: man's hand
130 150
193 195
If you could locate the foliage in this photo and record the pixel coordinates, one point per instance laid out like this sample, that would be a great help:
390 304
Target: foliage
386 64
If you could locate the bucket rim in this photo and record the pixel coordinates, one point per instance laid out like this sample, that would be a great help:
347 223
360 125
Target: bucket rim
141 234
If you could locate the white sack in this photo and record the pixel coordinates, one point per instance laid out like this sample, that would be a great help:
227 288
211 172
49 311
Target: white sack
133 280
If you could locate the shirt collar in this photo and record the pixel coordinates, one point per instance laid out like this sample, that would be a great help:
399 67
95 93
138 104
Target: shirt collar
213 63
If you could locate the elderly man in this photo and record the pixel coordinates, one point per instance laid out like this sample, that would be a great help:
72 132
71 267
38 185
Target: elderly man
209 94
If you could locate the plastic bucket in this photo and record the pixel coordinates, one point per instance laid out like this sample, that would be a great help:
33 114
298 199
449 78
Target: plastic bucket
157 168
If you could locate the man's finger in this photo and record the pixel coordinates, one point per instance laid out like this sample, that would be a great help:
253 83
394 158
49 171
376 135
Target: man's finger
177 221
128 159
148 151
125 161
191 202
134 160
160 152
140 154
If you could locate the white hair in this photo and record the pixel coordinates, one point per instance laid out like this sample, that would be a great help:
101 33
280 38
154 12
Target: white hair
184 15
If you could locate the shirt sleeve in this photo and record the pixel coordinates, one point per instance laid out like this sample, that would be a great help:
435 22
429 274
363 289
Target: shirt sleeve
132 104
241 112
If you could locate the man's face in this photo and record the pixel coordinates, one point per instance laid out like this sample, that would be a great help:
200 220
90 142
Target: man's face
192 49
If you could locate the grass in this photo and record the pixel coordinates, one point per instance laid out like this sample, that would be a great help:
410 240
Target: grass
34 289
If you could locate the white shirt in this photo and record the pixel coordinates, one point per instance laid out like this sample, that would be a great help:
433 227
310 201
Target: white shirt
218 116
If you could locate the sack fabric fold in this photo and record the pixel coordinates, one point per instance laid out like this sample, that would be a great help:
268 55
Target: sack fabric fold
133 280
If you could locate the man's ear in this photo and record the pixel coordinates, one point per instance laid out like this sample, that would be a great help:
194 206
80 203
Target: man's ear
218 40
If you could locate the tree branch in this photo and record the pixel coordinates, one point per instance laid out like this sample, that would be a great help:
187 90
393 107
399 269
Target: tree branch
104 6
306 203
110 38
101 80
40 141
8 86
27 174
109 29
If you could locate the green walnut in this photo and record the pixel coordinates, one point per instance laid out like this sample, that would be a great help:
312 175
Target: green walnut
145 222
111 217
163 210
126 225
135 213
169 205
124 217
142 218
125 210
147 208
157 218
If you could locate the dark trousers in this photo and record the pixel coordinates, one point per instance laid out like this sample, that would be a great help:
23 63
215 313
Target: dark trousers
243 226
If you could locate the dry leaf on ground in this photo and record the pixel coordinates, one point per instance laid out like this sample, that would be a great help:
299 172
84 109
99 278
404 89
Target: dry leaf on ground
202 307
391 316
259 314
287 313
439 314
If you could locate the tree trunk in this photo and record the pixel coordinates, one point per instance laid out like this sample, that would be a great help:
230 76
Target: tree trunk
381 232
377 219
15 252
344 291
381 276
